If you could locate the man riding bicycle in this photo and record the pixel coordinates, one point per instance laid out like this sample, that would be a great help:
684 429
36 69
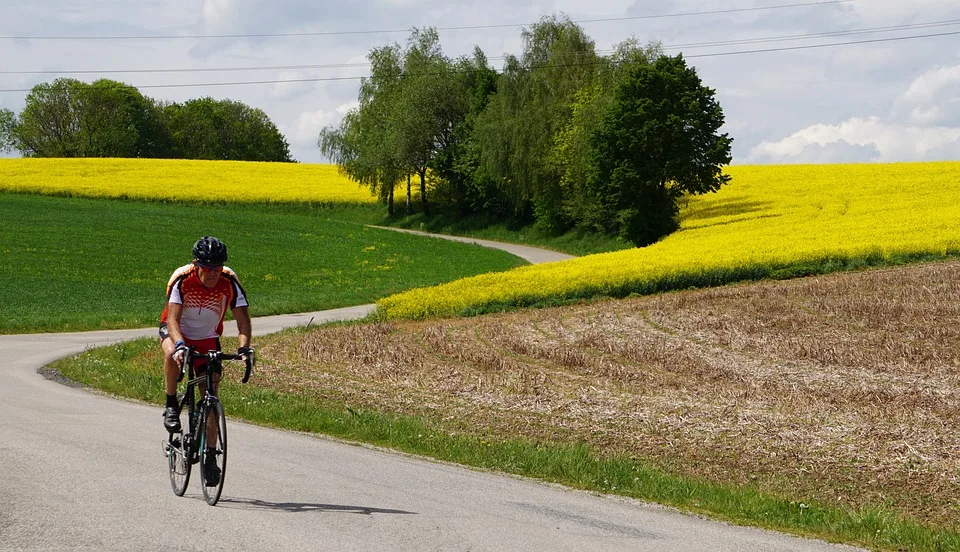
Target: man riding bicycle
198 295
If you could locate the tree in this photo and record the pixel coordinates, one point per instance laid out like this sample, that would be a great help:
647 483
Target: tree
533 103
657 141
363 146
205 128
69 118
8 120
571 154
431 103
49 125
457 162
408 112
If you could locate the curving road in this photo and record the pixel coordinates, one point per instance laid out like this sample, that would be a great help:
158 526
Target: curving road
80 471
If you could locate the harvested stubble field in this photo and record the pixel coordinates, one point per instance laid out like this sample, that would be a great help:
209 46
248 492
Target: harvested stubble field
842 389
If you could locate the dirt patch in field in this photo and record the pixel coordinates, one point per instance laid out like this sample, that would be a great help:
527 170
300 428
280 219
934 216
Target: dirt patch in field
844 388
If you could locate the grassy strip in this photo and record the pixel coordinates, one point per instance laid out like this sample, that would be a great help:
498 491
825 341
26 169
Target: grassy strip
132 370
80 264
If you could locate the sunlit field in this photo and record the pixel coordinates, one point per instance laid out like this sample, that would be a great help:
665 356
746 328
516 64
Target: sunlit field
769 222
73 264
182 180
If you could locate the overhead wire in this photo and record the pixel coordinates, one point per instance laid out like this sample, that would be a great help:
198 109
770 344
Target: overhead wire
329 79
386 31
755 40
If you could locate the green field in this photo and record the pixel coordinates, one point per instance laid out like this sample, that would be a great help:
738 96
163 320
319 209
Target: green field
69 264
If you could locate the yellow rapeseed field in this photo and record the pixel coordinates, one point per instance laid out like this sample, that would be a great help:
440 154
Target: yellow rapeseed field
182 180
768 221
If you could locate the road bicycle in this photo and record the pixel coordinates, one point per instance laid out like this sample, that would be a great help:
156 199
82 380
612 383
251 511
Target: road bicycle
206 442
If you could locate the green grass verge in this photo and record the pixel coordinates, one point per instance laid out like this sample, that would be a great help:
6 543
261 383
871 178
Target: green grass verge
133 370
70 264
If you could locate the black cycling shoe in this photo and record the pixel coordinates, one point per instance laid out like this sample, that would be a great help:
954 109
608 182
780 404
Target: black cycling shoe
171 419
211 473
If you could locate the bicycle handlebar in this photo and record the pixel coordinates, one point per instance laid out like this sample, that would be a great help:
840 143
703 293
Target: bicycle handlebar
220 356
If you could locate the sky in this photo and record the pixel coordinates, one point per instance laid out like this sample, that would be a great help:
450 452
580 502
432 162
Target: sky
895 96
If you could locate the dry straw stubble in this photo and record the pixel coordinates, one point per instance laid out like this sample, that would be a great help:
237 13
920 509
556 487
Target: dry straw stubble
843 388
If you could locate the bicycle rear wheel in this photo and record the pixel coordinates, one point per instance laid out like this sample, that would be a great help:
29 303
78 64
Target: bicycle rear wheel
178 457
213 453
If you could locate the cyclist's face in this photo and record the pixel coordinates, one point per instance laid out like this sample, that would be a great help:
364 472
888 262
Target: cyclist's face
209 276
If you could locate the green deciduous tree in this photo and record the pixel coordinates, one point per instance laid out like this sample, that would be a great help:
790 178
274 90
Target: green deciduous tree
408 113
8 120
657 141
571 155
432 100
364 144
49 125
533 103
69 118
457 162
205 128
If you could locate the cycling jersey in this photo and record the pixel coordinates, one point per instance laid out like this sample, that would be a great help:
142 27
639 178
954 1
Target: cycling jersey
203 307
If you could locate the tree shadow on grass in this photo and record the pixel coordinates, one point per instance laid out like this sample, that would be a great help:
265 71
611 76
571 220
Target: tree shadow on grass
297 507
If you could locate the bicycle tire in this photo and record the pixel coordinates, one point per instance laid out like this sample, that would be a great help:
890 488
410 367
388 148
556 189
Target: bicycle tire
178 456
211 493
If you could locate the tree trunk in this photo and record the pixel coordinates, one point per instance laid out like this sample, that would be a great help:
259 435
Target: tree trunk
423 193
390 202
409 206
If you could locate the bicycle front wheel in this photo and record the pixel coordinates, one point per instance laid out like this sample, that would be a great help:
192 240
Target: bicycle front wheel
213 467
178 457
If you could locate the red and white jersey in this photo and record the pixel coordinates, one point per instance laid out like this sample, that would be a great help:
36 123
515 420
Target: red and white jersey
203 307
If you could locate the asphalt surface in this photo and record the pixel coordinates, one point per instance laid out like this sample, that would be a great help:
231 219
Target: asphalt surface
533 255
81 471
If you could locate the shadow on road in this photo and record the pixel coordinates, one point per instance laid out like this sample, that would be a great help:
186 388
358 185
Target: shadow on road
256 504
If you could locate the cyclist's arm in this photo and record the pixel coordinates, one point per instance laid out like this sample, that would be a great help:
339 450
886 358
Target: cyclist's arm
244 326
173 321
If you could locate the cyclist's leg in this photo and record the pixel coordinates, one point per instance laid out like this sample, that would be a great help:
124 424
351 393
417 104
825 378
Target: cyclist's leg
170 369
170 372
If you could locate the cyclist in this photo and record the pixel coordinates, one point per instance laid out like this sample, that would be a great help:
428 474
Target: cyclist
198 295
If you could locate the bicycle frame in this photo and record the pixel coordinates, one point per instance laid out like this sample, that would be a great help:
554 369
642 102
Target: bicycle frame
213 366
196 411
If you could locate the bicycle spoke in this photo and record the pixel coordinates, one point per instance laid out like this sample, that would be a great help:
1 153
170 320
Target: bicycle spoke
213 468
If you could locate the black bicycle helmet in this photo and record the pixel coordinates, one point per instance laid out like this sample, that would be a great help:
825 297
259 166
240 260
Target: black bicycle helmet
210 251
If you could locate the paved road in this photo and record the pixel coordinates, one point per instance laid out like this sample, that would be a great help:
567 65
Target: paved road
533 255
80 471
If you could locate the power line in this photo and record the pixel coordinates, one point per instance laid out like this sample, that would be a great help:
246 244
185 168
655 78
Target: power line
848 32
715 54
809 46
193 70
781 38
459 28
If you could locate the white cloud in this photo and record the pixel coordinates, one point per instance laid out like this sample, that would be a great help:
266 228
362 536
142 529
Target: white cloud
303 132
218 15
923 124
892 142
933 98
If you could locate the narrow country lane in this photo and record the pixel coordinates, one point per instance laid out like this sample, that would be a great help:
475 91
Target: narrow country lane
81 471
